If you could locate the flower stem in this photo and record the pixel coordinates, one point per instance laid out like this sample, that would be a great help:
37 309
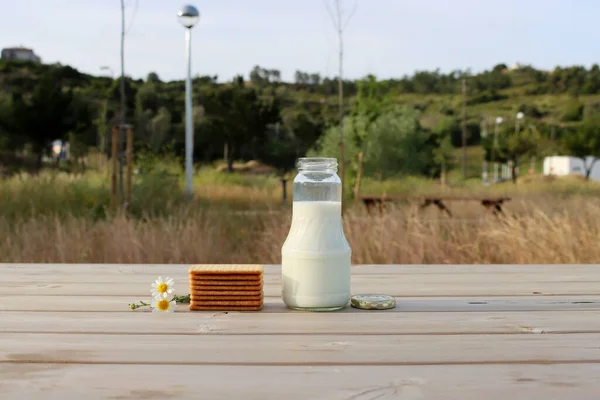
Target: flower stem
134 306
185 299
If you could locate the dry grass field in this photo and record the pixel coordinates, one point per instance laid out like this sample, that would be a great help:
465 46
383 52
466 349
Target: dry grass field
535 229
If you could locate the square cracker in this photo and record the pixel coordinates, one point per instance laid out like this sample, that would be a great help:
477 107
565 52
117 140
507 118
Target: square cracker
208 281
201 299
226 269
196 292
225 308
215 288
227 302
227 278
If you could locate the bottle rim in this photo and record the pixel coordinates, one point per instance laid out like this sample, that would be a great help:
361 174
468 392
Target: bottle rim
317 164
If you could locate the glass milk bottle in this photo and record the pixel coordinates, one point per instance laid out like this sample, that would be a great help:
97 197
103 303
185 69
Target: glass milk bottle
316 255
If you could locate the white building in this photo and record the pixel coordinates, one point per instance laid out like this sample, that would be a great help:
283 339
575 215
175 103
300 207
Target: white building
20 53
565 165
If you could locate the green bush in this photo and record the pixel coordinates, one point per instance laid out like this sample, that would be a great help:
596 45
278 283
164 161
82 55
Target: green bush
573 111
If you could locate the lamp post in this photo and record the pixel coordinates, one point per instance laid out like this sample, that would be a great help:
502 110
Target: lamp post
499 120
188 16
484 167
520 116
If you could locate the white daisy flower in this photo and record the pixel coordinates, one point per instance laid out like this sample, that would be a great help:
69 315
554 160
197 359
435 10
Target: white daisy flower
161 289
163 305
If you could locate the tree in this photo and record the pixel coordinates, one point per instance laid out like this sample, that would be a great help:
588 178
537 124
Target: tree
262 76
512 146
147 98
573 111
237 116
153 78
371 101
114 94
442 155
584 143
302 78
160 127
8 140
444 150
45 116
398 145
280 150
82 126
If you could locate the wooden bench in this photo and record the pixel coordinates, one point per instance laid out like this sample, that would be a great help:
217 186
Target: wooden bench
490 202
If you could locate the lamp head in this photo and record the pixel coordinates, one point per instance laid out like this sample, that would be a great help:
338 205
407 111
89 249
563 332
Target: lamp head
188 15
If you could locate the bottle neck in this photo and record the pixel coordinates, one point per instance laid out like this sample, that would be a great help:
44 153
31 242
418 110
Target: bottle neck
317 170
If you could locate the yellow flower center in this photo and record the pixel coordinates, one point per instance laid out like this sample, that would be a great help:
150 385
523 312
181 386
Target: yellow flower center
162 288
163 305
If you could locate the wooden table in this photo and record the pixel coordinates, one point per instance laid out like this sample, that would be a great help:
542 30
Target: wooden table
458 332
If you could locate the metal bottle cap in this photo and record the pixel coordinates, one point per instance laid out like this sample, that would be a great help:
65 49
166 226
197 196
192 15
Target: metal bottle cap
373 301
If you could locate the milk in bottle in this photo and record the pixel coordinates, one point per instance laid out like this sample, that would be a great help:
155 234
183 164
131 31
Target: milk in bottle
316 254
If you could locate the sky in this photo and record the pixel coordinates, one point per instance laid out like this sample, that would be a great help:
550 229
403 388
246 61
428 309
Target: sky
387 38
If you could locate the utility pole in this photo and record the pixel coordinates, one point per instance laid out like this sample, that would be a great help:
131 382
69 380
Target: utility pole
484 167
123 110
340 26
341 90
464 128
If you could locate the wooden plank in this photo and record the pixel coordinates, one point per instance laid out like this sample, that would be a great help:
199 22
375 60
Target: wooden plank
432 382
360 284
383 323
297 349
274 304
181 269
15 277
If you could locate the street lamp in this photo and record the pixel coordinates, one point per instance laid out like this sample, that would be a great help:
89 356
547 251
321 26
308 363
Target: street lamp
520 116
188 16
484 166
499 121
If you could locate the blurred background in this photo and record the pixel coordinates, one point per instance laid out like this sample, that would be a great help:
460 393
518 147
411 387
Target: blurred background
466 131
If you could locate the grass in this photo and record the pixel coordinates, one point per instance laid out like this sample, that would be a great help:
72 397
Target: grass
56 217
546 231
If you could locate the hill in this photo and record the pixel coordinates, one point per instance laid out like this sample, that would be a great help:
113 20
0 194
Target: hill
236 120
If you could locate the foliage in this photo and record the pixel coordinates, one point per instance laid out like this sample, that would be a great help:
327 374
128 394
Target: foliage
40 103
573 111
398 145
45 115
443 153
584 142
512 146
239 118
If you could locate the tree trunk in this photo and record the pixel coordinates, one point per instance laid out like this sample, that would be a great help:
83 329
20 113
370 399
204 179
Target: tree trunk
230 160
284 189
443 174
358 175
39 160
588 170
513 172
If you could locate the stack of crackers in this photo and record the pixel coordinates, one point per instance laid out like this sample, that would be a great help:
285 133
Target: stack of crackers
222 287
